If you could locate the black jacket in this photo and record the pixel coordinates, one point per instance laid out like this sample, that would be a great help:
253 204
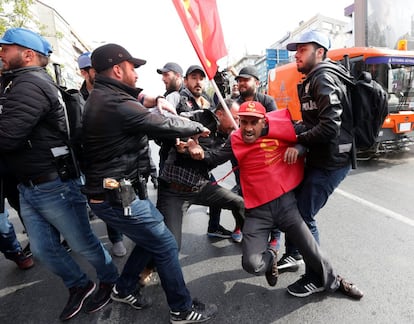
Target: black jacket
115 129
267 101
325 107
84 92
188 102
215 140
31 122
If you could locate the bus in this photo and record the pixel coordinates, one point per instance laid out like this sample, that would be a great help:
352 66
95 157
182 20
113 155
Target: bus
393 69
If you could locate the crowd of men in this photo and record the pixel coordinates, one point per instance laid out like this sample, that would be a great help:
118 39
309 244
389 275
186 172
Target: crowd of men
58 191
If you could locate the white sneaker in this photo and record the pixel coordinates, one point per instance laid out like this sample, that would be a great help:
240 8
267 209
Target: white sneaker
118 249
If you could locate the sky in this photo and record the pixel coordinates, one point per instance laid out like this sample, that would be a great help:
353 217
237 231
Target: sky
152 30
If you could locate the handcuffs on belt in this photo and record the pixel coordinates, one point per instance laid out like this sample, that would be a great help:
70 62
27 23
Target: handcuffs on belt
124 192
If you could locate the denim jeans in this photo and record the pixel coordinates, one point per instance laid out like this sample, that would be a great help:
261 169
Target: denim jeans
8 240
153 240
312 194
59 208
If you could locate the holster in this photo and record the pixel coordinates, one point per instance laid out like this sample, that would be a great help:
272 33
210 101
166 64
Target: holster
140 187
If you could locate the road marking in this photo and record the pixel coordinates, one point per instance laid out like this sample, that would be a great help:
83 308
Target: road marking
9 290
380 209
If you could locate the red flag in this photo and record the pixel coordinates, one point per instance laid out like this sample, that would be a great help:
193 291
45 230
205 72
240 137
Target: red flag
202 24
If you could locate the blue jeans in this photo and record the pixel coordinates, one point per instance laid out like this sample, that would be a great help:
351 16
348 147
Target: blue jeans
312 194
8 240
54 208
153 240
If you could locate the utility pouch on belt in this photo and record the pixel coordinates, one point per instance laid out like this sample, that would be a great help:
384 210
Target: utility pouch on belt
120 192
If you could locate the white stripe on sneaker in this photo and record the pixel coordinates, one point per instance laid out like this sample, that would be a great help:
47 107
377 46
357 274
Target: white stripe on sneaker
289 261
194 316
310 289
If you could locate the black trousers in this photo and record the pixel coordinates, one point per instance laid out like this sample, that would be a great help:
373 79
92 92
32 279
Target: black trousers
282 213
174 203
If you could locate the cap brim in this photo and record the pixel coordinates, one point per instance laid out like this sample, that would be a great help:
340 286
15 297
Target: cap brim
258 115
245 76
161 71
137 62
2 41
197 70
293 46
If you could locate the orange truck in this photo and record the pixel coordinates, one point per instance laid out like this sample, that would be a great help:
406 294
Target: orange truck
393 69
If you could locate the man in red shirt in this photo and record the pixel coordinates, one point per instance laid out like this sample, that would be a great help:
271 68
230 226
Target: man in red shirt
268 156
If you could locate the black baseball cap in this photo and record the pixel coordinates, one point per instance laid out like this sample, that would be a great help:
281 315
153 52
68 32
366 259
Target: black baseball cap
109 55
170 66
248 72
193 68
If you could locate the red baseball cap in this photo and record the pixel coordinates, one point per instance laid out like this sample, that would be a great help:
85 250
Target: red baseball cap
252 108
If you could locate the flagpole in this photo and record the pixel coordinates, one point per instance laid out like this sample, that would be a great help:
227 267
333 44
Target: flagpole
223 103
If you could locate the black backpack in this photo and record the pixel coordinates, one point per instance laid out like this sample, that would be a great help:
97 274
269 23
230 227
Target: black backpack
369 102
369 110
73 104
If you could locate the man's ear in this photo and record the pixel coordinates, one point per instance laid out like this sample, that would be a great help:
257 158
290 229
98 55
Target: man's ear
28 55
320 52
219 113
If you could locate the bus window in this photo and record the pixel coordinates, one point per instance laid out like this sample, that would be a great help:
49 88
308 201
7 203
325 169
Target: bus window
379 73
357 68
401 86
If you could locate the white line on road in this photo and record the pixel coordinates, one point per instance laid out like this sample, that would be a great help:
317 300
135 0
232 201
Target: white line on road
9 290
382 210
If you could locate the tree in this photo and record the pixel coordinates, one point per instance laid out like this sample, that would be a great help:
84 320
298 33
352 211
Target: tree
16 13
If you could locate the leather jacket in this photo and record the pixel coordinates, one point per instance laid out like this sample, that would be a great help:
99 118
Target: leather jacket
325 107
115 133
31 122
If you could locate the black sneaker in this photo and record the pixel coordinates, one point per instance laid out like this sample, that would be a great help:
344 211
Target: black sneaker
136 299
289 263
77 296
272 273
197 314
27 250
221 232
304 287
23 261
100 299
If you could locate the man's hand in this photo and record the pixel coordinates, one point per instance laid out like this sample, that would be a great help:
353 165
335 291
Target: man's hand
180 145
291 155
164 104
204 133
195 150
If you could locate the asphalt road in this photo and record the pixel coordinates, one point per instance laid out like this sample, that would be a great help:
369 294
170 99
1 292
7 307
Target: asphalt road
366 231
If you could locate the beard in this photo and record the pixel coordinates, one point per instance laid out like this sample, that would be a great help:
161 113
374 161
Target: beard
308 65
247 93
14 63
173 86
